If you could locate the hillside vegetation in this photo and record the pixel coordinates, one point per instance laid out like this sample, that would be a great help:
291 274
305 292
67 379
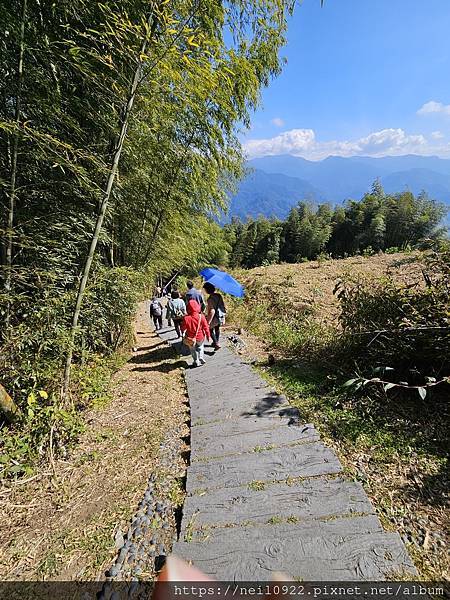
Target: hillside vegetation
378 221
310 285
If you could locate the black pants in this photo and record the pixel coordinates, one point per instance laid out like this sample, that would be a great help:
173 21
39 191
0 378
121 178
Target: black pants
215 334
176 324
157 321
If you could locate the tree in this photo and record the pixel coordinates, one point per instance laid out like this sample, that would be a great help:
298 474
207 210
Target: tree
126 148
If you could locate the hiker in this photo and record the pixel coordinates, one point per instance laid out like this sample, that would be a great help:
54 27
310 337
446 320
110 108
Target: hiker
176 310
168 315
196 331
156 312
193 294
215 313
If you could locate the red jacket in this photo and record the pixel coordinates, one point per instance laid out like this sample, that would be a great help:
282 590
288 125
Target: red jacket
190 322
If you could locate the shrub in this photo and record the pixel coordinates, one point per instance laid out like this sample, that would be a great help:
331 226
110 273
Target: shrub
32 353
402 327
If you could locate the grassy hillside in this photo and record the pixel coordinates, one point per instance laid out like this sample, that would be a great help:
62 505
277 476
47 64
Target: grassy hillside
311 284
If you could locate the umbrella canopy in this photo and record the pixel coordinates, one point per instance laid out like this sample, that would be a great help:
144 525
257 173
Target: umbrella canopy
224 281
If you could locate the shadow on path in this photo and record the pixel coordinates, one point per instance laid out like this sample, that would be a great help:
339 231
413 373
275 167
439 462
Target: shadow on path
163 367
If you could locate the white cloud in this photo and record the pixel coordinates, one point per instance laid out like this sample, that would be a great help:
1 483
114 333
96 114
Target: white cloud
277 122
437 135
290 142
303 142
434 107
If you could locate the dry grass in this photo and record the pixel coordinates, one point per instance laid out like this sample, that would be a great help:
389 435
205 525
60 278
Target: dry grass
313 283
61 525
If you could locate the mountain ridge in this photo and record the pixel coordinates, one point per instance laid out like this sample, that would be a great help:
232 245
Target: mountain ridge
277 183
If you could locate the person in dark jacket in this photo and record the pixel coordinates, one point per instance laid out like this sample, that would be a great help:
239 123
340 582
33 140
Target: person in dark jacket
196 328
193 294
215 313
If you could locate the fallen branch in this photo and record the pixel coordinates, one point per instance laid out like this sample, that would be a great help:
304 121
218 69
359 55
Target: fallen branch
407 329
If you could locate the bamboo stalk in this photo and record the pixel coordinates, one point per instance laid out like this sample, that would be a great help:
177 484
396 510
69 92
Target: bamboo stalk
103 206
14 155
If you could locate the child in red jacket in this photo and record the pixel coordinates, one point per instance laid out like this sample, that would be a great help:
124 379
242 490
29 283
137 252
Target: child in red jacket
196 327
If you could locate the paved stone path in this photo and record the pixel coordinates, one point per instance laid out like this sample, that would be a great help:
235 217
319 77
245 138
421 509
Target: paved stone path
265 495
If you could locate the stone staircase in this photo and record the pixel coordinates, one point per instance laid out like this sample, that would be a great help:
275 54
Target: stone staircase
265 495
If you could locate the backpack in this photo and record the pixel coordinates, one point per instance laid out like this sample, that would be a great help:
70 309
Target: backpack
177 311
191 341
155 309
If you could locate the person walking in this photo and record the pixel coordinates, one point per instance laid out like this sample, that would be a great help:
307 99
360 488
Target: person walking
215 313
156 312
195 327
176 310
193 294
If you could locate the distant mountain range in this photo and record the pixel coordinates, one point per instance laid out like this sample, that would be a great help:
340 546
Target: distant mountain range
276 183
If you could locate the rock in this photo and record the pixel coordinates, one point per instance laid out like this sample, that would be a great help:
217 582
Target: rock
119 540
122 554
113 571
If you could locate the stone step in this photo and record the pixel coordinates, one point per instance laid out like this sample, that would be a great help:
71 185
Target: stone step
257 402
231 438
305 460
348 549
311 499
230 393
205 386
239 525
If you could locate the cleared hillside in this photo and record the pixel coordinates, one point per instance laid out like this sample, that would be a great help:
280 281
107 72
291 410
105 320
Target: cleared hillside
312 283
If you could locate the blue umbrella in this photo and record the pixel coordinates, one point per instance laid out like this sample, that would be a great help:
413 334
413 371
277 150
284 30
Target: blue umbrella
223 281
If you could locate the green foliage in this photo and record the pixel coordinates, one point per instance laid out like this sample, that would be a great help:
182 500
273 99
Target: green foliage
271 314
376 223
75 141
403 327
46 425
363 423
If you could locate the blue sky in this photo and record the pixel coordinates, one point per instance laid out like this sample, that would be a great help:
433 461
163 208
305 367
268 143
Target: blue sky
367 77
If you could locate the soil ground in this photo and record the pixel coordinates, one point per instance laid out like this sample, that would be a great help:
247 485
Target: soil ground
61 523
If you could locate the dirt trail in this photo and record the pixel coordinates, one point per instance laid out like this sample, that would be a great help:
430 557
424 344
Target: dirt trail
61 526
